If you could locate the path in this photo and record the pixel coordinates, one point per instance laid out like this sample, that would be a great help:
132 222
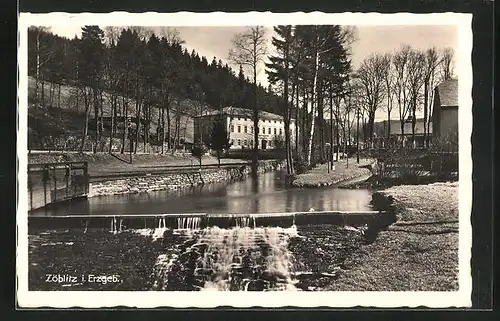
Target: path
344 171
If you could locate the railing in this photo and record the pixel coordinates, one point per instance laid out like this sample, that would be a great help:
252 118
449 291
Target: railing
55 182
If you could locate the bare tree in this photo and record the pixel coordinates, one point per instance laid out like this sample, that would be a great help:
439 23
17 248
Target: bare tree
371 74
389 84
432 63
416 80
172 35
42 57
250 50
401 62
447 63
111 35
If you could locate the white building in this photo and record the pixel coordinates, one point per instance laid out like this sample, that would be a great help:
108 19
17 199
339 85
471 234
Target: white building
239 124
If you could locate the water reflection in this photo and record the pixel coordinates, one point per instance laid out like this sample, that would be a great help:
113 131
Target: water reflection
267 194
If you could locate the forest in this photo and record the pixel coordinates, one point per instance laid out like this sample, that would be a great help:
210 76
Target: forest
137 85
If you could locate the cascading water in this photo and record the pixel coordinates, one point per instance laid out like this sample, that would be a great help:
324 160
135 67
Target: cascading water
245 221
189 223
236 259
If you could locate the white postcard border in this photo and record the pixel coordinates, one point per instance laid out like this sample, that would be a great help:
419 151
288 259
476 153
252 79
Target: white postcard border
150 299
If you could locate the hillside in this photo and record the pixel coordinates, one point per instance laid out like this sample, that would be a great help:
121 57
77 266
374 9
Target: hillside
63 116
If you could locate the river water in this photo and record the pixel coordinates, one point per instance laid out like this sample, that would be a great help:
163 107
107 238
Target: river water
266 195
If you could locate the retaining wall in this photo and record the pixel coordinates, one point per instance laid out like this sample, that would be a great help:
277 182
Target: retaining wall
150 183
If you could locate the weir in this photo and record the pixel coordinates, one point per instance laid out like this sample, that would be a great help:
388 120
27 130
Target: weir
204 220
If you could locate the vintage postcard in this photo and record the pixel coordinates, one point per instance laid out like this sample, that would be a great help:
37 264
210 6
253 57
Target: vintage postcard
280 160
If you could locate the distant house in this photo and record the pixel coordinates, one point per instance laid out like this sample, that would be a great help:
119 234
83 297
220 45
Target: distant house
445 109
406 135
239 124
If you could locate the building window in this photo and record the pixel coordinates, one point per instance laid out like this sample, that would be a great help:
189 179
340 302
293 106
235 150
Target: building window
251 143
232 128
239 142
232 141
239 129
275 131
269 130
251 129
275 122
281 131
245 129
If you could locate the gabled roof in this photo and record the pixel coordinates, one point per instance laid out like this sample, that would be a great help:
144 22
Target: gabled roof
243 112
448 93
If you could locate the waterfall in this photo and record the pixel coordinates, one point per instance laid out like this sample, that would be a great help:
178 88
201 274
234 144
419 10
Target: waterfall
246 221
188 223
236 259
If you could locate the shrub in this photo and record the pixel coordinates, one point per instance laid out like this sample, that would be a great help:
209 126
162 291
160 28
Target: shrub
300 164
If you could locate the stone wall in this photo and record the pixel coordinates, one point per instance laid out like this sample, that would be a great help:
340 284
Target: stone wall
141 184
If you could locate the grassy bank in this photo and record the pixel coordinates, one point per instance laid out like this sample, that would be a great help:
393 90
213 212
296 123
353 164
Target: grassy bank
417 253
105 164
344 171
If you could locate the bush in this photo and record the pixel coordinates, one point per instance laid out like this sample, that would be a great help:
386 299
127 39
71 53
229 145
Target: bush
300 164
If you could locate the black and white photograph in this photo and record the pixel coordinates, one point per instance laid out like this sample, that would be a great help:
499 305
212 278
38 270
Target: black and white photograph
276 159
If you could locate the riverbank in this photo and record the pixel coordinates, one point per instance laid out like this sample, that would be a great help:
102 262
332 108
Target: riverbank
417 253
345 171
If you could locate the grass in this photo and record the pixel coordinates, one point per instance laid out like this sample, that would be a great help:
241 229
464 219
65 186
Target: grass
417 253
320 176
103 163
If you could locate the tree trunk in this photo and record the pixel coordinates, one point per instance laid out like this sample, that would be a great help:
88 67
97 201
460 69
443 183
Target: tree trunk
337 128
37 67
413 121
313 109
255 154
51 90
321 123
357 134
86 123
426 103
331 127
125 124
96 114
59 96
138 108
169 142
162 130
303 125
43 92
113 112
297 119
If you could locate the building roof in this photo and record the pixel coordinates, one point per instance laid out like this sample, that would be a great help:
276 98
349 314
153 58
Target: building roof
243 112
448 93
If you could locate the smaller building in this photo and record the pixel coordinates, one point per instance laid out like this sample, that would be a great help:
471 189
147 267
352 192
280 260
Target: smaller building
445 109
240 126
404 135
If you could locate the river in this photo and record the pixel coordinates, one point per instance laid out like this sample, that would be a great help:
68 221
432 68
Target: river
267 195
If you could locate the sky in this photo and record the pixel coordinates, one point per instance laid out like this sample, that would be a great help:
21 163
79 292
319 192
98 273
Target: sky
216 41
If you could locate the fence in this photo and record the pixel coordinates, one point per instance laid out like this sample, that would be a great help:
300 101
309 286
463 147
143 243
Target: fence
55 182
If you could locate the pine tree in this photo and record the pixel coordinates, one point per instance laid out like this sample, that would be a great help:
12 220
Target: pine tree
279 70
219 138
